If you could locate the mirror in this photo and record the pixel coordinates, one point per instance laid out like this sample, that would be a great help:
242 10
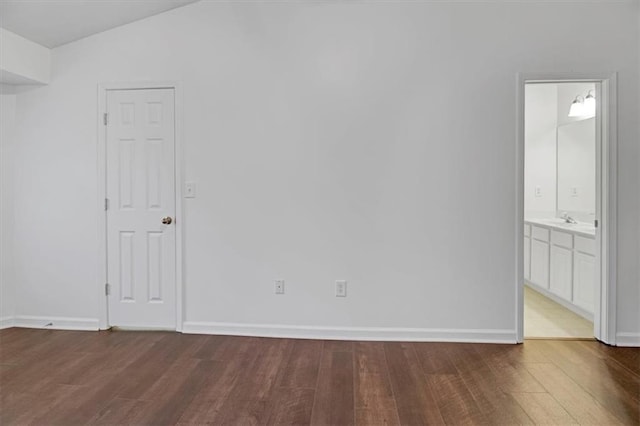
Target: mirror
576 166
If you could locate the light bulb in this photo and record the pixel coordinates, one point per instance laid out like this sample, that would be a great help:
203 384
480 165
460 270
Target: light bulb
590 105
577 108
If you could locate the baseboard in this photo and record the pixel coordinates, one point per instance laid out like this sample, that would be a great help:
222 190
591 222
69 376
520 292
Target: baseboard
56 323
307 332
628 339
352 333
6 322
559 300
141 328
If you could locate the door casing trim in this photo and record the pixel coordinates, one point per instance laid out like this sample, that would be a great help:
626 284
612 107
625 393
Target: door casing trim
605 311
103 88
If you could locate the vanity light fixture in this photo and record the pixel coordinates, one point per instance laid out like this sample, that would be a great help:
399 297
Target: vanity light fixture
577 107
584 107
590 104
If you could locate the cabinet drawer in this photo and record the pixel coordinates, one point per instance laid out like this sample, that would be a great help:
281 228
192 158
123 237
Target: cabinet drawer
541 234
527 230
586 245
562 239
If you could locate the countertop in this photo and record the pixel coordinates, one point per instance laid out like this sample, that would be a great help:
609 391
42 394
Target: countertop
581 228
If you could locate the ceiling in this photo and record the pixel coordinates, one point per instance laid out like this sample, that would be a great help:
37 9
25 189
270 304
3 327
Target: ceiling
52 23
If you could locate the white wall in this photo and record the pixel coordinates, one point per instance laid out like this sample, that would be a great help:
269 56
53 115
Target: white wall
630 326
628 210
541 121
23 61
632 332
328 142
7 119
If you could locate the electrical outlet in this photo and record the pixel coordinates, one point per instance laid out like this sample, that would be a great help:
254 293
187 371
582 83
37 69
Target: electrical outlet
341 288
574 191
190 190
279 287
538 191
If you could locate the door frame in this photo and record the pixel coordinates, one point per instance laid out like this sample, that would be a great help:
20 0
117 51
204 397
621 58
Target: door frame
604 316
103 88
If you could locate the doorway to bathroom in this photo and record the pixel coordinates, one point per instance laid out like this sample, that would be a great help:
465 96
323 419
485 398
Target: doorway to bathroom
564 290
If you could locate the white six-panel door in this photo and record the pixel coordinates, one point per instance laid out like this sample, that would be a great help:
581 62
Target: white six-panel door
140 166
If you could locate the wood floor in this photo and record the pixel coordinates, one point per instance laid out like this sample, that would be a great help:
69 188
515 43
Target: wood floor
66 378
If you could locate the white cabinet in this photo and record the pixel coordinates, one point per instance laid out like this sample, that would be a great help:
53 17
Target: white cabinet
584 273
561 265
561 271
527 258
540 263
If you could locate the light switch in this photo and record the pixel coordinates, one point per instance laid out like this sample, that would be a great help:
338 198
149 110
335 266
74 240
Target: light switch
574 191
190 190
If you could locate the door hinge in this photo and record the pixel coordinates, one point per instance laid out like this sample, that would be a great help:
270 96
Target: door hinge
595 223
107 289
105 118
106 204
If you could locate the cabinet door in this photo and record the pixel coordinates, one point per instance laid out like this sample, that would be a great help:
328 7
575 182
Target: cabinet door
527 258
584 279
561 272
539 263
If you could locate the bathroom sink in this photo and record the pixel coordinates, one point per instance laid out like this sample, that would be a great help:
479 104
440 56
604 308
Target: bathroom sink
561 223
558 222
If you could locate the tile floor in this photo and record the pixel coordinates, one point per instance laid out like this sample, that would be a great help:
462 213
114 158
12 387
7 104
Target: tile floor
545 318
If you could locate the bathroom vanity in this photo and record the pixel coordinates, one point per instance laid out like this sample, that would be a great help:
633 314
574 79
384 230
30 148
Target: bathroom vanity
560 262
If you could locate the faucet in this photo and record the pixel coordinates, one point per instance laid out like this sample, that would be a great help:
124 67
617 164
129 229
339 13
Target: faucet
568 219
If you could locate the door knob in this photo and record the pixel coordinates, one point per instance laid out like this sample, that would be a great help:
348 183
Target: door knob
167 220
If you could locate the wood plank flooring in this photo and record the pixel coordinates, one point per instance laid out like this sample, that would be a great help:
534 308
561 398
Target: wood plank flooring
50 377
